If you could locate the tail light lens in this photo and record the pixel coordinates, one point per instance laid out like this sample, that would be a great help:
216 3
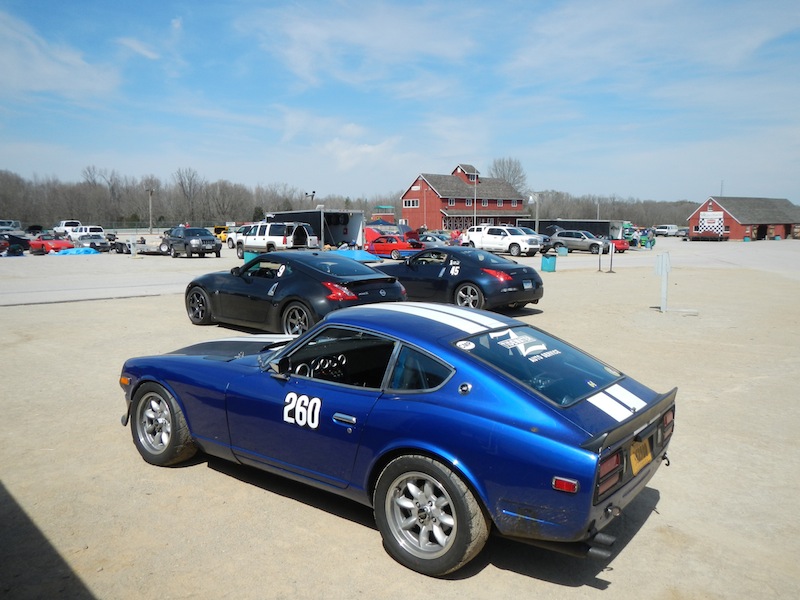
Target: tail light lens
338 292
610 473
499 275
668 423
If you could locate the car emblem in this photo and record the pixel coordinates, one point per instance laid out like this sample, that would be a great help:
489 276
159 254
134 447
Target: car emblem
382 292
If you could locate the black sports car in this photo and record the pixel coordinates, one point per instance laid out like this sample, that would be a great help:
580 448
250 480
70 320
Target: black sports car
287 292
468 277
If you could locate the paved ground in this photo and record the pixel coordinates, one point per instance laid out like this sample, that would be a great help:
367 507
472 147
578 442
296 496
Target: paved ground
82 516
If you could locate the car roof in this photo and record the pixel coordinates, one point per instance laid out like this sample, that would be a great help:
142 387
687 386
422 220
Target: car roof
433 321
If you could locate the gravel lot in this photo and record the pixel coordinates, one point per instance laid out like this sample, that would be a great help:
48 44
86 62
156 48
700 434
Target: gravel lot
82 516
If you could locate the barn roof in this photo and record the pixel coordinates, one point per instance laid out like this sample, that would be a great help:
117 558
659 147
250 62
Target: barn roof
490 188
758 211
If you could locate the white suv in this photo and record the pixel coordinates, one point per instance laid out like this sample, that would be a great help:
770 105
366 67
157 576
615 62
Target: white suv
268 237
502 238
85 230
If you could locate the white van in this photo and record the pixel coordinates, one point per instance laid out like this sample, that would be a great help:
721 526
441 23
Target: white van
667 230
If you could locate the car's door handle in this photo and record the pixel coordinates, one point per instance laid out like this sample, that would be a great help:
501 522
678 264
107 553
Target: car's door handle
344 419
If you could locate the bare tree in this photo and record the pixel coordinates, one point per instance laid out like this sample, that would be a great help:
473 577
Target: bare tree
510 170
191 185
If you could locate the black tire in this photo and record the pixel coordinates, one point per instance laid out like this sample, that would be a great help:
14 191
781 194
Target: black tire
163 248
173 252
239 251
595 249
514 250
188 252
396 254
202 255
468 294
198 306
218 253
296 319
532 253
558 245
450 528
158 427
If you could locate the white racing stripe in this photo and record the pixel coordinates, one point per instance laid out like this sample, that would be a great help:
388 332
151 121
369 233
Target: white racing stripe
629 399
611 407
461 319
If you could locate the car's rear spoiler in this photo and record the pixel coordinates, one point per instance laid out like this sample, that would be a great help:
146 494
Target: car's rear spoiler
637 421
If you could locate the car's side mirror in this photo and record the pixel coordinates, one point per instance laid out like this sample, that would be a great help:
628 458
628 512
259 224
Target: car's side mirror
280 369
235 271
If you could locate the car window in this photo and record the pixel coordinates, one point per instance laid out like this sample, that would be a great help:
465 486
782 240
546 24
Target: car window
416 371
267 269
552 368
344 356
430 257
331 264
515 231
276 229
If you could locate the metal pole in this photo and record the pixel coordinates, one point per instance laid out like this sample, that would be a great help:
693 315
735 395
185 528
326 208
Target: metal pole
475 201
150 202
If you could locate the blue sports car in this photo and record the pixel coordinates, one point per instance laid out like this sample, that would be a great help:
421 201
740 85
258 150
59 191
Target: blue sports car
450 422
467 277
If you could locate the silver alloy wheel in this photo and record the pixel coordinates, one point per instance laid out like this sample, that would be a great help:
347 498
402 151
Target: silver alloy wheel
420 515
296 319
469 295
514 250
154 423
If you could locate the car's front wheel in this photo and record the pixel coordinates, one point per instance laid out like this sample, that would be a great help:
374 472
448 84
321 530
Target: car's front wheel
595 249
468 294
296 319
429 519
514 250
173 252
198 306
158 427
239 251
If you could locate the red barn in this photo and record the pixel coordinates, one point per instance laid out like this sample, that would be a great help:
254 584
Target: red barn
458 200
726 217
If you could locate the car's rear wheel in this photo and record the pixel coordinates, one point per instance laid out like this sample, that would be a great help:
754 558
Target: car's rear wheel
468 294
296 319
396 254
230 244
158 427
198 307
514 250
429 519
558 245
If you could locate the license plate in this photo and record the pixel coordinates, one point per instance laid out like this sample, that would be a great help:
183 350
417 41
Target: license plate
206 246
527 284
640 455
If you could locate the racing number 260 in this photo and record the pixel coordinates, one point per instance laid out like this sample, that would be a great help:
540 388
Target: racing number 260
301 410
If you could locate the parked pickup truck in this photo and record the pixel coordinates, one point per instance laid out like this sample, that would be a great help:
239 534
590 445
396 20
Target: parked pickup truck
501 238
65 228
267 237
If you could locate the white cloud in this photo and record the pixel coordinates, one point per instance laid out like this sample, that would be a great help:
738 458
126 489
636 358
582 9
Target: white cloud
28 63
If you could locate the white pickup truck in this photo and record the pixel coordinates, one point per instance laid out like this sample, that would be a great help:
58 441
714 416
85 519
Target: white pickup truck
501 238
268 237
65 228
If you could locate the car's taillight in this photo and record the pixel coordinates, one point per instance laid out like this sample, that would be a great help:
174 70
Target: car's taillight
499 275
668 422
338 291
610 473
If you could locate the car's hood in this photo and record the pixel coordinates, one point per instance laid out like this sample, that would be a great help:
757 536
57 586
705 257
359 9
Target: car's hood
230 348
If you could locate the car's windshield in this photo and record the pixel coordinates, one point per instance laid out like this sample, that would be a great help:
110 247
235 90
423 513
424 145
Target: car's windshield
196 232
554 369
589 234
515 231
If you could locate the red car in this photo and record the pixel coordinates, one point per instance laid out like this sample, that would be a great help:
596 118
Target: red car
45 242
620 245
393 246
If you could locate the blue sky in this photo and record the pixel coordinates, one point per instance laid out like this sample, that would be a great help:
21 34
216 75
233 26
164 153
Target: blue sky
662 100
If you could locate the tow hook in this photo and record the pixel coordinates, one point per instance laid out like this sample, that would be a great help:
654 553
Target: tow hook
665 458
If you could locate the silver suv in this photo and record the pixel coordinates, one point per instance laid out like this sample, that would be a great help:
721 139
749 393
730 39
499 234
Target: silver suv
574 239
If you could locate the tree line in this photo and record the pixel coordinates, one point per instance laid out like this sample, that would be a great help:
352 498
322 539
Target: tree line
113 200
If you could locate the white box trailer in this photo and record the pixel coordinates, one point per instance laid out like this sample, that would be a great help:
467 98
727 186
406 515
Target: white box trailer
333 227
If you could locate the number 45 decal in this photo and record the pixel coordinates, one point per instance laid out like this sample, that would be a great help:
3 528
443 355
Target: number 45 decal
454 270
301 410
